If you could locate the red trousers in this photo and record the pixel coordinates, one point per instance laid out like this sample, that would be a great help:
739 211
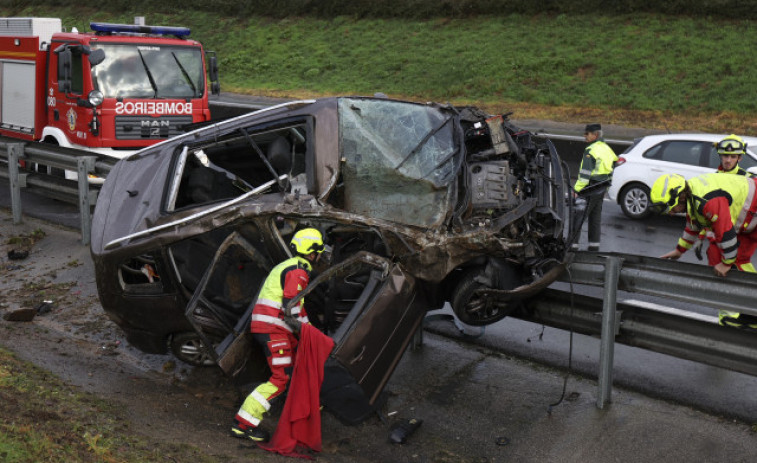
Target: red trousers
280 350
747 246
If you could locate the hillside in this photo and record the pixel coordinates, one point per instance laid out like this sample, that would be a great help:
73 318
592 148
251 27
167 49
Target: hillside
645 70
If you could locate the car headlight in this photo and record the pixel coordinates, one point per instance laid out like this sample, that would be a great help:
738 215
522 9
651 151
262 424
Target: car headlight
95 98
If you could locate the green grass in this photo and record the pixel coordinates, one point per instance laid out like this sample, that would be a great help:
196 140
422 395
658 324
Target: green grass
645 69
647 64
44 420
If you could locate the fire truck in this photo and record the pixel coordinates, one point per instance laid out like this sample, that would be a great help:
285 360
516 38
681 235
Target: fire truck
113 90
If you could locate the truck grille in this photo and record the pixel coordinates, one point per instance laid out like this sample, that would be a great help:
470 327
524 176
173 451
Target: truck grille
145 127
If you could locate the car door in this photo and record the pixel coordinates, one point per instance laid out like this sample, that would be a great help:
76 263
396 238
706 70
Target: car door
220 307
372 338
684 157
369 342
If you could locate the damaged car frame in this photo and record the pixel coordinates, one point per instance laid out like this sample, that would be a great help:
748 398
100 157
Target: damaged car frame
419 204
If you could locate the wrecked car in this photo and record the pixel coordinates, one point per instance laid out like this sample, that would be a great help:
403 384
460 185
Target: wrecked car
419 204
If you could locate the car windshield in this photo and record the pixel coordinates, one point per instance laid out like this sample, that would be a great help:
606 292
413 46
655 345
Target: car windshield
149 71
399 160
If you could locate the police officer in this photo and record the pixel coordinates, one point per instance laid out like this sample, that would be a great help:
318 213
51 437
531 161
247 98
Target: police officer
726 205
275 334
596 167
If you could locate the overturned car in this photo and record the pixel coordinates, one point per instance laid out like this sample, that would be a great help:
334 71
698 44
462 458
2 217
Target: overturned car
419 204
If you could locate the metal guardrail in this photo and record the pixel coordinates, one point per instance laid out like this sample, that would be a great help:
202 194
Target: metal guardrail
78 191
682 281
681 334
579 139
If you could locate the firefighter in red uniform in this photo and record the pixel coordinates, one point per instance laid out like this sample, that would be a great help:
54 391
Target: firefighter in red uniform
726 205
274 334
731 150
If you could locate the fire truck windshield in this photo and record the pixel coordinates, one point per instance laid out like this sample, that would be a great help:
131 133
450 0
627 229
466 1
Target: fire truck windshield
149 71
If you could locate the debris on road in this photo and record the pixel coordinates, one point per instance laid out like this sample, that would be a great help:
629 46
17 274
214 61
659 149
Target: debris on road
44 307
20 315
401 430
15 254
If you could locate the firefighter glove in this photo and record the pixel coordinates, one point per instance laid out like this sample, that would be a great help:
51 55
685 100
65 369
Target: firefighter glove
698 249
293 323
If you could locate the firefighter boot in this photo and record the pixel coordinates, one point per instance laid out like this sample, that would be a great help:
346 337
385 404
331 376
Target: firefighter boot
255 434
737 320
748 322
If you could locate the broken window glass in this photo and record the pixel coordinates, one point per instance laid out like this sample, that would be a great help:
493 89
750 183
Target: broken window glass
230 166
399 160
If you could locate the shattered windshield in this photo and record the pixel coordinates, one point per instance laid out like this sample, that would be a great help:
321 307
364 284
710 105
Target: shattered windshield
399 160
149 71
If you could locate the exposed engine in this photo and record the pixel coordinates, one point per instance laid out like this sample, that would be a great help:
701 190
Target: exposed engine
509 176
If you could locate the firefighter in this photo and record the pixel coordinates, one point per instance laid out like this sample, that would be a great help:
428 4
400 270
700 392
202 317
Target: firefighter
275 333
731 149
596 167
726 205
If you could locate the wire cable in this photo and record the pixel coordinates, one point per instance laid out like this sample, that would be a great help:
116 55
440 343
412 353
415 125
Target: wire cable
570 340
570 349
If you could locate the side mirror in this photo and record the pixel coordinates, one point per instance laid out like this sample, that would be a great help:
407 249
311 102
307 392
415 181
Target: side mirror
213 66
215 85
96 57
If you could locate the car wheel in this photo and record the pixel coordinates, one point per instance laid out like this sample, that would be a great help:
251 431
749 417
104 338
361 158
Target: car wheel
473 309
634 200
189 348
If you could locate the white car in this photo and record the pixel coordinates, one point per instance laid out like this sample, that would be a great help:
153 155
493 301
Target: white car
687 154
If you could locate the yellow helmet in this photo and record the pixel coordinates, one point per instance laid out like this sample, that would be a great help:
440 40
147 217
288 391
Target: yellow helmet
306 241
732 144
665 191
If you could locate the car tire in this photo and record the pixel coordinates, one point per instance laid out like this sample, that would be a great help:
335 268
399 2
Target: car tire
189 348
472 309
634 201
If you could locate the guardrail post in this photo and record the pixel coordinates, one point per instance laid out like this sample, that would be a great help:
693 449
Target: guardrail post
84 166
16 180
609 330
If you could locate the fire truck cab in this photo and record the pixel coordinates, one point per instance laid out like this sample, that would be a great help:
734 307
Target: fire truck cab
113 90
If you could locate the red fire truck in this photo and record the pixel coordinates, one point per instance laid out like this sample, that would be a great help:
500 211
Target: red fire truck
113 90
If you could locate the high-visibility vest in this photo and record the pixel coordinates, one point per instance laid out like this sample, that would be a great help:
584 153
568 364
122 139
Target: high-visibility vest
738 170
596 165
269 307
738 189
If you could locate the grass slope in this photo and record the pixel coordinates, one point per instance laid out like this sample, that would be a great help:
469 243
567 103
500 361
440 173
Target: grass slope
647 70
44 420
